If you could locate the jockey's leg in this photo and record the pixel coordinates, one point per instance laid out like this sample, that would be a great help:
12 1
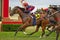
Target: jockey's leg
27 11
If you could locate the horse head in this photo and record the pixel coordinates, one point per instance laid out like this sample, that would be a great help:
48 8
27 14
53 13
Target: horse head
15 10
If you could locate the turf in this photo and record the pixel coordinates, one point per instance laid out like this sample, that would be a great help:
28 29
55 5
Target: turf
21 36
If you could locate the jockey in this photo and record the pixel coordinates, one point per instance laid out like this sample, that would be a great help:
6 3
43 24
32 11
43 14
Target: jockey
28 8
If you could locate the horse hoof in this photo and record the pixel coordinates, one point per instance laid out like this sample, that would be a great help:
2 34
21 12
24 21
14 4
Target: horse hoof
25 33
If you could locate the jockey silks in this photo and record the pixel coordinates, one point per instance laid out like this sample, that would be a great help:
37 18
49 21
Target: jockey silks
28 8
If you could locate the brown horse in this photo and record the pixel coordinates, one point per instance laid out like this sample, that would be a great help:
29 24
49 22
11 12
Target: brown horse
45 22
57 25
27 21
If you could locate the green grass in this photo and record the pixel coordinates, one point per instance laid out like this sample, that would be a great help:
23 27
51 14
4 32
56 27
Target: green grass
21 36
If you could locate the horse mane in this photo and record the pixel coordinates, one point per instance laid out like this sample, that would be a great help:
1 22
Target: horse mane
22 9
17 7
20 12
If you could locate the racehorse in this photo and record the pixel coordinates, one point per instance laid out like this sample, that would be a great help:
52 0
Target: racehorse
27 21
56 13
44 23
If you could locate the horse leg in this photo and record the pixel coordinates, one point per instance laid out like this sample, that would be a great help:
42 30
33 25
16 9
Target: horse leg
52 31
53 27
57 35
37 28
44 23
48 27
43 30
18 30
21 28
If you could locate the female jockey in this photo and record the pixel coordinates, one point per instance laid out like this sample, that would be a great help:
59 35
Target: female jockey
28 8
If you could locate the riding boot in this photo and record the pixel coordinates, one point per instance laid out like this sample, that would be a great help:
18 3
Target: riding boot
34 20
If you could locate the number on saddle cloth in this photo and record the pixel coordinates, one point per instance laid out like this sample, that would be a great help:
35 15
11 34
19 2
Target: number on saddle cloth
37 16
